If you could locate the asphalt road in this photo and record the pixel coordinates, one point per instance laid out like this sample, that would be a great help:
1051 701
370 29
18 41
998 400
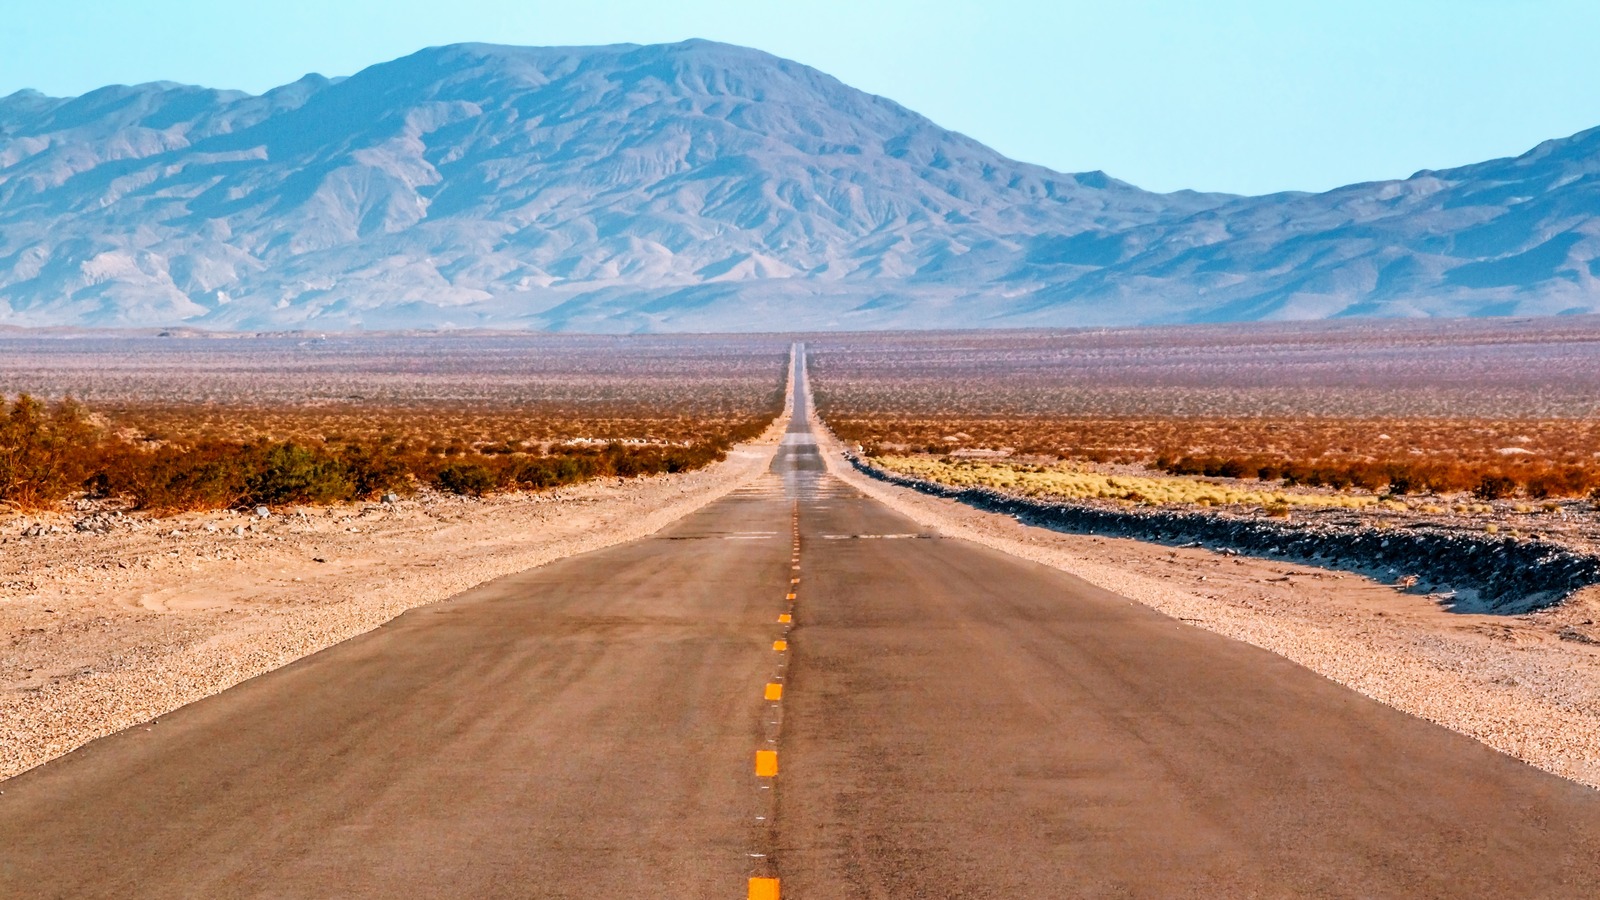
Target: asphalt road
945 721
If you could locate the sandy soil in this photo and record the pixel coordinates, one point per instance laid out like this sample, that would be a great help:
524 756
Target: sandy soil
1527 685
110 630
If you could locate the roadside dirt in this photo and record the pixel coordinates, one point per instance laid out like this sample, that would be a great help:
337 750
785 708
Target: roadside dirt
111 628
1527 685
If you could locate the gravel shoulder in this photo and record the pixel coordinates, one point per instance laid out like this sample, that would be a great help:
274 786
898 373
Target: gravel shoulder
109 630
1527 685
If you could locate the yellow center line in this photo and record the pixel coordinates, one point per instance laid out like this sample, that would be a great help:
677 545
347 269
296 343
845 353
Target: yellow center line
766 763
764 887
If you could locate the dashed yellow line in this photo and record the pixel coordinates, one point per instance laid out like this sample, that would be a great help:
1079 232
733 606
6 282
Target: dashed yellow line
766 763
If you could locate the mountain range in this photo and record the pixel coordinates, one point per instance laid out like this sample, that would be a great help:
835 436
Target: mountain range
705 187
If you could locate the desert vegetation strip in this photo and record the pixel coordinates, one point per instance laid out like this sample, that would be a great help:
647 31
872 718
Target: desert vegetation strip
55 454
1481 459
1487 409
184 424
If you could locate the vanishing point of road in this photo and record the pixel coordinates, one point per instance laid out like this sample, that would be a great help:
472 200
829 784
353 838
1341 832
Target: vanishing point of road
792 690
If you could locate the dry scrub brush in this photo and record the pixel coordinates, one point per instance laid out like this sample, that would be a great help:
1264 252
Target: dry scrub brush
239 420
1496 408
1492 459
51 453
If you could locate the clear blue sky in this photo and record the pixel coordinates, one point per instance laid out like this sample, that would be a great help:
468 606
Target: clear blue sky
1219 95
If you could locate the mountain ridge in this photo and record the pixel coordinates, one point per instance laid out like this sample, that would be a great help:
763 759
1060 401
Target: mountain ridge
703 186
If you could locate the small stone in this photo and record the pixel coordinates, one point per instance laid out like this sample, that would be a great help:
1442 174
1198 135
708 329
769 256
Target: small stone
391 498
262 512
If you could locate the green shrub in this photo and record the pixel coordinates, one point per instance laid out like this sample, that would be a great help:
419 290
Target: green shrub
553 471
208 476
467 478
374 469
45 454
290 473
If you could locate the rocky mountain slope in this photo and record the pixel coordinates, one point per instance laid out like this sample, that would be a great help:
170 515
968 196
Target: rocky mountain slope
700 186
1507 237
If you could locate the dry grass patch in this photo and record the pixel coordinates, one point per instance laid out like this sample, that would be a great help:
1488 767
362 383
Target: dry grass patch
1067 481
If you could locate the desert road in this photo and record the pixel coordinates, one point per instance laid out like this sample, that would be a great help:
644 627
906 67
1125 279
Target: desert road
794 689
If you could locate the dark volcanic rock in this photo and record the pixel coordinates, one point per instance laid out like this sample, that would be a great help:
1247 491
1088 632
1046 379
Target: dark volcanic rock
1488 573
